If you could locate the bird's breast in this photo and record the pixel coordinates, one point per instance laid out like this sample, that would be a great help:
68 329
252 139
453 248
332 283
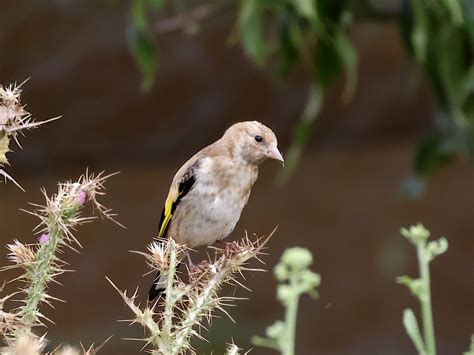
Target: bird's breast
212 208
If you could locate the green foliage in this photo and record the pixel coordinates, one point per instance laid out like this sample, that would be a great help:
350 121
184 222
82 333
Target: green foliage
420 288
295 279
141 42
439 35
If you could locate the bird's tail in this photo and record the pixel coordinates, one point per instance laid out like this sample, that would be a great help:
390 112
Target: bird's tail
157 288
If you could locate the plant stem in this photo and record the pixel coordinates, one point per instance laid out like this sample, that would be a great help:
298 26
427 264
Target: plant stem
40 277
170 296
426 311
290 319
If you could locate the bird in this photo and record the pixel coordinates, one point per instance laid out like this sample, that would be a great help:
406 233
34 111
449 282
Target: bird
208 193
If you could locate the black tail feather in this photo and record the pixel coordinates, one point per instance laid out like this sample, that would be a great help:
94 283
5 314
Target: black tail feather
155 289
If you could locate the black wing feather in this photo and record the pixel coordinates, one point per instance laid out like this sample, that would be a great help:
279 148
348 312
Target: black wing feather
185 185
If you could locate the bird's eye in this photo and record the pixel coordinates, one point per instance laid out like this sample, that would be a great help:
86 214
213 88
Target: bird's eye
258 138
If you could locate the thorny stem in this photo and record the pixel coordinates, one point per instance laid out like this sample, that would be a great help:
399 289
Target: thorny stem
170 299
426 311
194 311
35 292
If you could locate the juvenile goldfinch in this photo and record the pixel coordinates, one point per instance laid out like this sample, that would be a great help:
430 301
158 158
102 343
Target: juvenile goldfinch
210 190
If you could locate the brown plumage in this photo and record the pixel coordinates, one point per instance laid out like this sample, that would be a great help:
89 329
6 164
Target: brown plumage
210 190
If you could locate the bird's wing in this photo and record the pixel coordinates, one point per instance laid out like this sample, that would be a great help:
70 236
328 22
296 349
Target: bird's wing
182 184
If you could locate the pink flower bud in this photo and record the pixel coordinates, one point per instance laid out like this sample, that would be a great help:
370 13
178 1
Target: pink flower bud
81 198
43 238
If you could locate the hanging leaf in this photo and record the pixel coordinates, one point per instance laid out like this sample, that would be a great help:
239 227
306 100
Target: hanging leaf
251 29
468 13
144 52
348 58
306 8
419 34
430 156
141 43
455 10
139 19
157 4
291 40
327 62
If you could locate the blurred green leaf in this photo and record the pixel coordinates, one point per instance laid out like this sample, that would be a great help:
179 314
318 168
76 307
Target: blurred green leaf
452 67
327 62
139 19
348 57
419 35
306 8
144 52
413 331
454 8
157 4
468 13
251 29
302 132
329 11
430 156
291 40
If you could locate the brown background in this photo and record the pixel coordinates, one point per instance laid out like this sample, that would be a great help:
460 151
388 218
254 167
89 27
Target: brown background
344 202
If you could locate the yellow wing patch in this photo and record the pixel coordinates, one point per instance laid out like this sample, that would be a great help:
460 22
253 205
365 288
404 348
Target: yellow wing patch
167 213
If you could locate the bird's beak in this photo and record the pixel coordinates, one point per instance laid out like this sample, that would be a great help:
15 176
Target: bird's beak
274 153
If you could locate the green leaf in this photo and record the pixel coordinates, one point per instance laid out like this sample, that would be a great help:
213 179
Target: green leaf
348 57
291 40
454 8
138 14
413 331
328 62
4 147
251 30
416 286
468 13
436 247
157 4
306 8
430 156
144 52
419 35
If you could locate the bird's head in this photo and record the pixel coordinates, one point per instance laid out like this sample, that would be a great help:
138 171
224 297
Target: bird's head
253 142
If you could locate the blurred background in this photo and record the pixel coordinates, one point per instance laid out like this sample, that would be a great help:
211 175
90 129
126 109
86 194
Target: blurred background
351 190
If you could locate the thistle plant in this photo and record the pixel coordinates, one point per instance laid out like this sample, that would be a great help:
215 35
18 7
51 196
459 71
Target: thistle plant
426 251
295 279
186 305
14 120
39 261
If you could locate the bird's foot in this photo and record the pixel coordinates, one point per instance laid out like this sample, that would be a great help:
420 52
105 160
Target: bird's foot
196 270
230 248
